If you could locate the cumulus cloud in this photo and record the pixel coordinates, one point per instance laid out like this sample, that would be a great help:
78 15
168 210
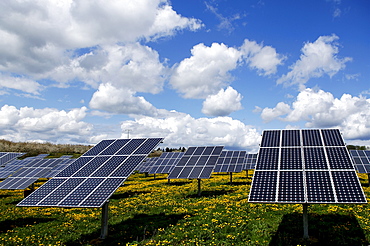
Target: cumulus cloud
269 114
38 36
320 109
181 130
209 68
206 71
318 59
223 103
20 83
133 66
121 101
44 124
263 58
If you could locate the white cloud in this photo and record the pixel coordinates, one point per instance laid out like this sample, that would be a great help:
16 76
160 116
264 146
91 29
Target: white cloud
133 66
320 109
120 101
44 124
39 36
269 114
181 130
206 71
223 103
317 59
263 58
20 83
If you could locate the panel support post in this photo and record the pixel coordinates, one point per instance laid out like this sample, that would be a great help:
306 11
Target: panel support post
246 173
104 220
305 221
169 180
199 190
231 177
368 179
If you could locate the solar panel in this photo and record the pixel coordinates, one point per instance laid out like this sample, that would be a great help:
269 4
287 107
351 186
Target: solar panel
166 162
12 167
230 161
65 162
146 165
91 179
305 166
361 159
6 157
250 161
30 173
196 163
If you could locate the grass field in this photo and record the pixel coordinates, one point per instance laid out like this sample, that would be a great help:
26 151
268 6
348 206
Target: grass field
147 211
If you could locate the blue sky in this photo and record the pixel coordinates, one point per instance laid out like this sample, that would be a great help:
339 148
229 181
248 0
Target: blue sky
211 72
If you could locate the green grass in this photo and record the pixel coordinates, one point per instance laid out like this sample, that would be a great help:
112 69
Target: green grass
147 211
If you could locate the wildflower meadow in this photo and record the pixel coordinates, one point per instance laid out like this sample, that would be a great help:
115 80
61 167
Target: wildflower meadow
153 211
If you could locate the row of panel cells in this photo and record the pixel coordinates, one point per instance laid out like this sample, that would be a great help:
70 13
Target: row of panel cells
347 187
17 183
291 158
230 160
35 197
210 150
270 138
228 168
311 138
363 168
197 160
263 187
291 187
314 158
338 158
148 146
268 159
319 187
360 153
332 137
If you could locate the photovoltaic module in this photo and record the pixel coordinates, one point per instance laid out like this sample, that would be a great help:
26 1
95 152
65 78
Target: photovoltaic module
304 166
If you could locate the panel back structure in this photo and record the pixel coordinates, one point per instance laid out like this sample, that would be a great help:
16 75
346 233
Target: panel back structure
95 176
305 166
196 163
166 162
361 159
29 173
230 161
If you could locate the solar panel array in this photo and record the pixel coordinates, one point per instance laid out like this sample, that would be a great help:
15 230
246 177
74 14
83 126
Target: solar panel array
166 162
95 176
361 159
305 166
196 163
6 157
64 162
34 169
250 161
231 161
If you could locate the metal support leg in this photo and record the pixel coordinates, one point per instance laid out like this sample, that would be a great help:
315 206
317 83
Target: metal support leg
104 221
199 190
231 177
169 180
305 221
368 179
246 173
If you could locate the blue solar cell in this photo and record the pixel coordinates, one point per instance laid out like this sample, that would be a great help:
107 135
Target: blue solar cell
114 147
268 159
332 137
339 158
91 167
77 165
291 138
291 187
319 188
264 184
291 158
314 158
347 187
270 138
311 138
102 145
130 147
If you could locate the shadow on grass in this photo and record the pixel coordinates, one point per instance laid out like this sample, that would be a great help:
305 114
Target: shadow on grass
127 194
14 202
239 183
327 229
141 227
21 222
4 196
